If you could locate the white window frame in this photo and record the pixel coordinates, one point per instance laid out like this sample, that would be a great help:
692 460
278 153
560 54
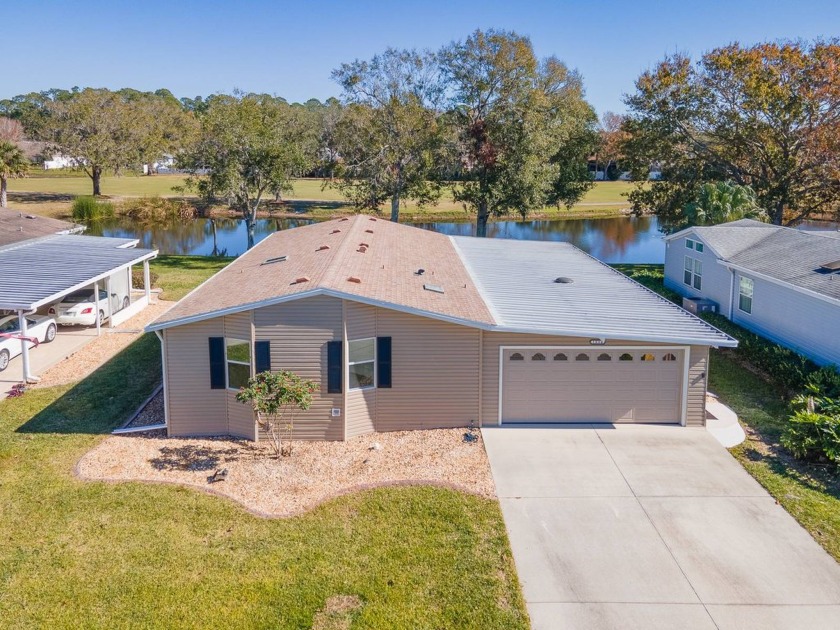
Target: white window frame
698 247
689 243
352 363
690 267
742 295
234 361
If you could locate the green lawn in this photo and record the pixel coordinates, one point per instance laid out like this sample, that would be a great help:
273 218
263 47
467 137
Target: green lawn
141 555
811 493
51 195
178 275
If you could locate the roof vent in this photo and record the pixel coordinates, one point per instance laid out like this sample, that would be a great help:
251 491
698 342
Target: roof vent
335 231
368 231
419 272
363 245
831 266
344 219
278 259
434 288
563 280
372 219
301 280
362 249
354 280
322 248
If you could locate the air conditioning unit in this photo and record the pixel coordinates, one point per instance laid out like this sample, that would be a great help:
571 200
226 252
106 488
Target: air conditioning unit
699 305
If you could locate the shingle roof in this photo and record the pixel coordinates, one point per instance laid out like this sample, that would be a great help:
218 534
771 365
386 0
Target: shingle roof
36 271
383 256
487 283
17 226
518 278
795 257
728 239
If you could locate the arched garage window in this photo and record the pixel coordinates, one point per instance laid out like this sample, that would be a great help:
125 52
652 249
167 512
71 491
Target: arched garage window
604 357
669 357
516 357
647 356
626 357
560 357
582 357
539 356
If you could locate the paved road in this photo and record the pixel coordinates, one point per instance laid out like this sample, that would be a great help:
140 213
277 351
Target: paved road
653 527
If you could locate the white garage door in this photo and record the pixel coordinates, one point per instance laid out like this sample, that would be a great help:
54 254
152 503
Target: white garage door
592 385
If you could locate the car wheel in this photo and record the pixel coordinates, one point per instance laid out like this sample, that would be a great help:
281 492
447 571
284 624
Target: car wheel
50 336
101 317
125 302
4 359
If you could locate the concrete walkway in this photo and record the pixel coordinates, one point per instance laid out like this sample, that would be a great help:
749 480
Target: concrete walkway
652 527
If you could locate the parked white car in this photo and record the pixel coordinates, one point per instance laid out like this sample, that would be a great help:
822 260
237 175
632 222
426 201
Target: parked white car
39 327
79 307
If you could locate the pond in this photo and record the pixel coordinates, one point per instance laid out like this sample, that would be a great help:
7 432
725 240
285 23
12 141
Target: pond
613 240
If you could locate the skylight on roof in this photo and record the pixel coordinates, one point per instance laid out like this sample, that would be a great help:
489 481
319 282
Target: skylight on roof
434 288
277 259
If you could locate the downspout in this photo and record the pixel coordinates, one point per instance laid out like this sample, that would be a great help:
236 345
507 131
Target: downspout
731 292
160 336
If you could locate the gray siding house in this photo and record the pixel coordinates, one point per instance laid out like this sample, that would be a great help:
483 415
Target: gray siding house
406 328
781 283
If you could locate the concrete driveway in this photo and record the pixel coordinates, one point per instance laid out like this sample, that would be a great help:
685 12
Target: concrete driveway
652 527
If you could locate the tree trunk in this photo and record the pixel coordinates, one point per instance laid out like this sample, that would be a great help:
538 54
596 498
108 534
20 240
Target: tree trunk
96 176
778 213
251 225
481 219
395 207
3 201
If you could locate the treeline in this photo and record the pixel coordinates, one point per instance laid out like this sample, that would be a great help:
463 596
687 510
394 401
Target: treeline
744 131
511 131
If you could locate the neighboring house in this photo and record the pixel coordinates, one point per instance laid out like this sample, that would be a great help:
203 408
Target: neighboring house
16 226
781 283
406 328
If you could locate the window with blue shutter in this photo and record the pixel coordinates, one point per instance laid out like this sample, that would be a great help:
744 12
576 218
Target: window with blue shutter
217 362
262 356
335 367
383 362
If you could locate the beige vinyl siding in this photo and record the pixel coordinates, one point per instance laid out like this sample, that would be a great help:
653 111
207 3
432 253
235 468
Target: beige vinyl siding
360 322
241 421
299 332
434 372
698 368
194 408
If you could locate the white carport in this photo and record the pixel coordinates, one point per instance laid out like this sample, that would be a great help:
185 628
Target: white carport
41 271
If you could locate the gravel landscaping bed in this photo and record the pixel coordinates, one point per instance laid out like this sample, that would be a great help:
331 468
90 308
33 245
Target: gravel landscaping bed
92 355
153 413
315 472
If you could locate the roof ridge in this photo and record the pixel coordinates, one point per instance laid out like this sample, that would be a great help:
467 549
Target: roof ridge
329 277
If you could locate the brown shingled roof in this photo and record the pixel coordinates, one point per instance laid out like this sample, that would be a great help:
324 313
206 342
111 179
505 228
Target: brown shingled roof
385 265
17 226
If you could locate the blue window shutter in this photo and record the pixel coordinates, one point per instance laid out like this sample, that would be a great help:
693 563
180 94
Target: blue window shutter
334 367
217 362
383 362
262 356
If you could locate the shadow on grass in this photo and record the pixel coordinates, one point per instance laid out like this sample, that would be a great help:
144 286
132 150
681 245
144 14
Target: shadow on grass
105 399
39 197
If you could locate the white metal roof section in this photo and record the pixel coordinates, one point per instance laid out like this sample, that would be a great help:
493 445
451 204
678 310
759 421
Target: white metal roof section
555 288
39 271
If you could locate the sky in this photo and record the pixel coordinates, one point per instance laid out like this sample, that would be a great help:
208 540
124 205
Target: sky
290 48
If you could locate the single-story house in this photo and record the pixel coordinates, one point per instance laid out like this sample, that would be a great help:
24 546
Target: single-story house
18 226
779 282
405 328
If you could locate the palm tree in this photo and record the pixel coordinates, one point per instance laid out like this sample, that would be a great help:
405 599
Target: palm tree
721 202
13 163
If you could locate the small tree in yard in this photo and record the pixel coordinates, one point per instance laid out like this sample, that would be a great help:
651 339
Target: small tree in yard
275 397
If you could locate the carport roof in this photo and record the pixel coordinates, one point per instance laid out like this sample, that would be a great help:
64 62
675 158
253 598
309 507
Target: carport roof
39 271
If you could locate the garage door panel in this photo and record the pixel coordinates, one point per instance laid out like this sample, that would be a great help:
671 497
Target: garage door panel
592 391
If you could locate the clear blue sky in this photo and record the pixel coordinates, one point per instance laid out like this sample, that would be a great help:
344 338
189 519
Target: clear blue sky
289 48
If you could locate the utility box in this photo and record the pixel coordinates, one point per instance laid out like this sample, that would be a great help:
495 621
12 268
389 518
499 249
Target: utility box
699 305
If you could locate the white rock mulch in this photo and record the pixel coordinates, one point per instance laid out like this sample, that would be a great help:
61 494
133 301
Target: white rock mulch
315 472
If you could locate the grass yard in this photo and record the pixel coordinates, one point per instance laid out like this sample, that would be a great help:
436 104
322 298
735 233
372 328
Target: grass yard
143 555
52 195
811 493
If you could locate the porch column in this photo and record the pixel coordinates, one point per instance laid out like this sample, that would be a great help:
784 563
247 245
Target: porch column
96 308
24 350
146 281
110 302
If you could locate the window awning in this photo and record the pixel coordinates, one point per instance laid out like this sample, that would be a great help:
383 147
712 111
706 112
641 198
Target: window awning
41 271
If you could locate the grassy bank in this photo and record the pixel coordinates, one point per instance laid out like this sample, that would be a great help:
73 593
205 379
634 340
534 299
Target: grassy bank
810 492
178 275
52 196
143 555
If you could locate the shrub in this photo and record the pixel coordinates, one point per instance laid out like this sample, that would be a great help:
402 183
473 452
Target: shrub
813 431
158 210
91 209
137 278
